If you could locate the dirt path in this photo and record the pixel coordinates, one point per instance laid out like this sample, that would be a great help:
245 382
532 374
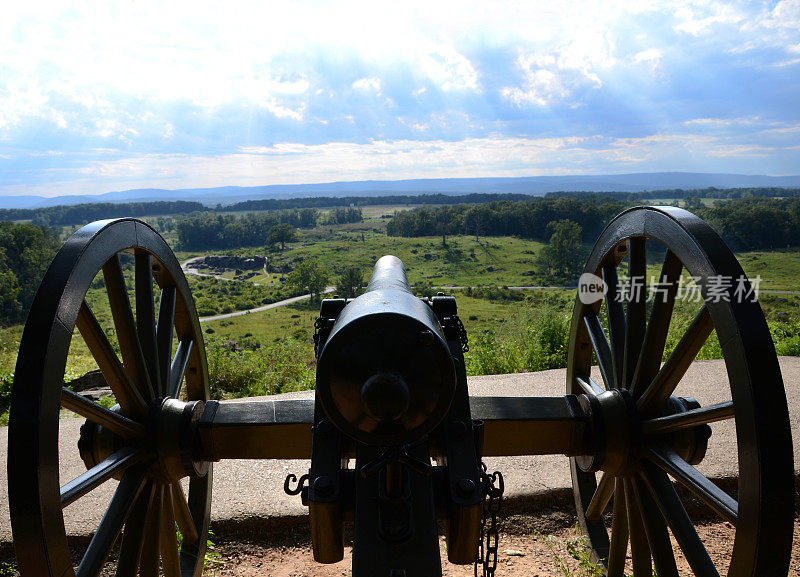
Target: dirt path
257 309
539 546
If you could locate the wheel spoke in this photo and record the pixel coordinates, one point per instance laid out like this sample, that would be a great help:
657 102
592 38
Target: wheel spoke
178 369
665 381
688 419
601 347
615 313
588 385
100 473
130 347
169 542
702 487
656 531
183 515
640 550
133 536
122 426
601 498
118 510
636 319
114 373
164 330
678 519
619 532
657 328
151 556
145 317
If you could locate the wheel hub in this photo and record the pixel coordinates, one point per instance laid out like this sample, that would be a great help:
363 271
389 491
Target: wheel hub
171 425
614 435
613 432
175 439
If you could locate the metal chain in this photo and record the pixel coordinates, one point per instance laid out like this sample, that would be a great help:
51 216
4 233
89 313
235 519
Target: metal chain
490 538
321 325
462 334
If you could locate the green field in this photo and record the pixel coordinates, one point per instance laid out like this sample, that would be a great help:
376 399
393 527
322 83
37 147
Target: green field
462 261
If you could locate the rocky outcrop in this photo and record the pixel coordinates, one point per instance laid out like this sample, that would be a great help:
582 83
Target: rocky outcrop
92 385
227 262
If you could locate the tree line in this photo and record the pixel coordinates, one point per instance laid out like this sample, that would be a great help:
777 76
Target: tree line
745 223
383 200
63 215
526 219
755 223
87 212
210 230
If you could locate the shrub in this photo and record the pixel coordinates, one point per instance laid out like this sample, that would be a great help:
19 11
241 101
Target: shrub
6 384
287 365
539 340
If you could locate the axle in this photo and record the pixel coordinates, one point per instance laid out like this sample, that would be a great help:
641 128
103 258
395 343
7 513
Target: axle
281 429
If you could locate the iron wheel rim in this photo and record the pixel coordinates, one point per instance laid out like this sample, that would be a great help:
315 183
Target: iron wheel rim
35 493
762 545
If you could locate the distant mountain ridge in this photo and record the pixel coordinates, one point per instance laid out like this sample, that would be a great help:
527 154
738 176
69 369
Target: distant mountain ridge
534 185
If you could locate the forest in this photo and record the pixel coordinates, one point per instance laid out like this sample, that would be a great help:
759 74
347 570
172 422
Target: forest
209 230
82 213
744 223
526 219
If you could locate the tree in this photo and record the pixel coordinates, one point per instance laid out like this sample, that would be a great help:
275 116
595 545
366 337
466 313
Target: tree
350 283
475 220
10 307
562 258
311 276
281 233
26 251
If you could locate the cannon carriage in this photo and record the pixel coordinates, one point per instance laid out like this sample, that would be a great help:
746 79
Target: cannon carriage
395 441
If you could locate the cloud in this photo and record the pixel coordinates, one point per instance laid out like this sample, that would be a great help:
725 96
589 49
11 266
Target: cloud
448 69
723 122
785 14
146 81
698 18
651 57
370 84
550 78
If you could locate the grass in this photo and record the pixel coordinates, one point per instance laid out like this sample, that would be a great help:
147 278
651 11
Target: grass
531 335
580 551
463 261
247 369
778 269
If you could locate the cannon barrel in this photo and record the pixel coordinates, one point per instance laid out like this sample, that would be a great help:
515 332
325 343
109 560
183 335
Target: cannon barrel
389 274
385 375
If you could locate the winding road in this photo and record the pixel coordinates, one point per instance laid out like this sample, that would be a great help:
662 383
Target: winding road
189 269
261 308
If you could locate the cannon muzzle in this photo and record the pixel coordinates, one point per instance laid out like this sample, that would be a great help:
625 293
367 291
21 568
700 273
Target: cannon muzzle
385 376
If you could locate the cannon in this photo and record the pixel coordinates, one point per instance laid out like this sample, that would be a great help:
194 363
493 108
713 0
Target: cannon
395 442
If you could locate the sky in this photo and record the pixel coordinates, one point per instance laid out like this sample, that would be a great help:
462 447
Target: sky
102 96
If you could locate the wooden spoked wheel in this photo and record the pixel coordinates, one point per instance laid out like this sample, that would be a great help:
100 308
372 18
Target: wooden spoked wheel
649 437
160 384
